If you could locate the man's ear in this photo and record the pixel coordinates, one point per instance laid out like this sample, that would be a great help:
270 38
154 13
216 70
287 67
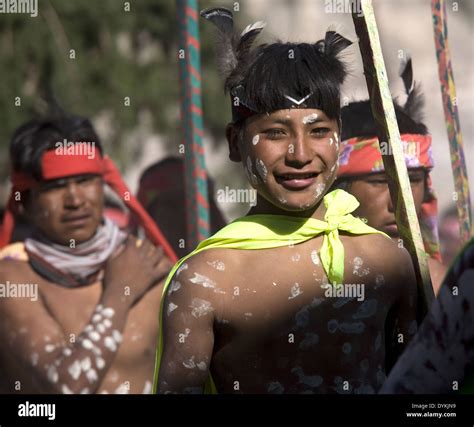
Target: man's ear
232 136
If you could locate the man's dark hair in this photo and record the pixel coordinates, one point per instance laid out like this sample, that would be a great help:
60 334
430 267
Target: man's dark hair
33 138
358 121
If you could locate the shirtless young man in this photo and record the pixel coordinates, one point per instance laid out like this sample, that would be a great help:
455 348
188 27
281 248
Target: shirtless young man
362 174
255 305
86 321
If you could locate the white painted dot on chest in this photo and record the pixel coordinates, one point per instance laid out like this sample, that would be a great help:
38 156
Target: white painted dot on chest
295 291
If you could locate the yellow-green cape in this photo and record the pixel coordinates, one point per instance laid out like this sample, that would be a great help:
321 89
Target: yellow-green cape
273 231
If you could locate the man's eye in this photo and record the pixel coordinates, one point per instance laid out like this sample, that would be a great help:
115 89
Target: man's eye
52 186
416 178
85 179
320 131
274 133
379 181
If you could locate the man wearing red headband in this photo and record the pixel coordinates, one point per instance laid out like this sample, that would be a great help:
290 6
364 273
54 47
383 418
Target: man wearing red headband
361 170
78 297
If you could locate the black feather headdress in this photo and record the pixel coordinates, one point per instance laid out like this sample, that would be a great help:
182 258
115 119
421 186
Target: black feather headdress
357 118
279 75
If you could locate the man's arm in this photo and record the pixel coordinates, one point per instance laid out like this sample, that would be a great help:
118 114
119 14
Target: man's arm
401 322
188 336
32 339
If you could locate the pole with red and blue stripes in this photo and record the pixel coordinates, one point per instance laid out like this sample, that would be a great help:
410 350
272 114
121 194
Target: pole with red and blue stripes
197 205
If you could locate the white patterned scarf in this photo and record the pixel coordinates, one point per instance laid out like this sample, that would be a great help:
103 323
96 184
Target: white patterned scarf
75 266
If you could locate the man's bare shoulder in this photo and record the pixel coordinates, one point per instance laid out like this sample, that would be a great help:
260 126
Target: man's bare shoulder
382 255
206 272
11 268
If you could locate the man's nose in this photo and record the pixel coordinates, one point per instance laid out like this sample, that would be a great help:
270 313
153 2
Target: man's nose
73 196
389 200
299 151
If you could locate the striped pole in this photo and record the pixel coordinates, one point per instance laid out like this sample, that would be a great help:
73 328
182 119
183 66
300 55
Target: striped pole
197 206
451 117
394 162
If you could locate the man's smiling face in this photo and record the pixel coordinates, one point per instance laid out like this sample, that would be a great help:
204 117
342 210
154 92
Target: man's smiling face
289 156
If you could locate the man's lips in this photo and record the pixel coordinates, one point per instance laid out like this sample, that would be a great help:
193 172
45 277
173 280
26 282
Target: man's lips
296 181
77 219
391 229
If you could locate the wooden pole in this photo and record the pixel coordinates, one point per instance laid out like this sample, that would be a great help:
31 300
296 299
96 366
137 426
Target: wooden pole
394 161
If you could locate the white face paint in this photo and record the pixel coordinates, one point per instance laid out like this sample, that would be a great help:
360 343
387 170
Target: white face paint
282 200
109 343
330 141
295 257
171 308
101 328
34 359
96 318
108 312
315 257
175 286
107 323
86 364
49 348
320 189
201 366
75 370
87 344
255 139
99 362
91 375
147 389
295 291
117 336
65 389
261 169
310 119
122 389
189 364
53 374
218 265
358 270
181 268
94 336
202 280
200 307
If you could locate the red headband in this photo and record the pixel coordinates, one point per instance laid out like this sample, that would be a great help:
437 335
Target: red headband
361 156
61 165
